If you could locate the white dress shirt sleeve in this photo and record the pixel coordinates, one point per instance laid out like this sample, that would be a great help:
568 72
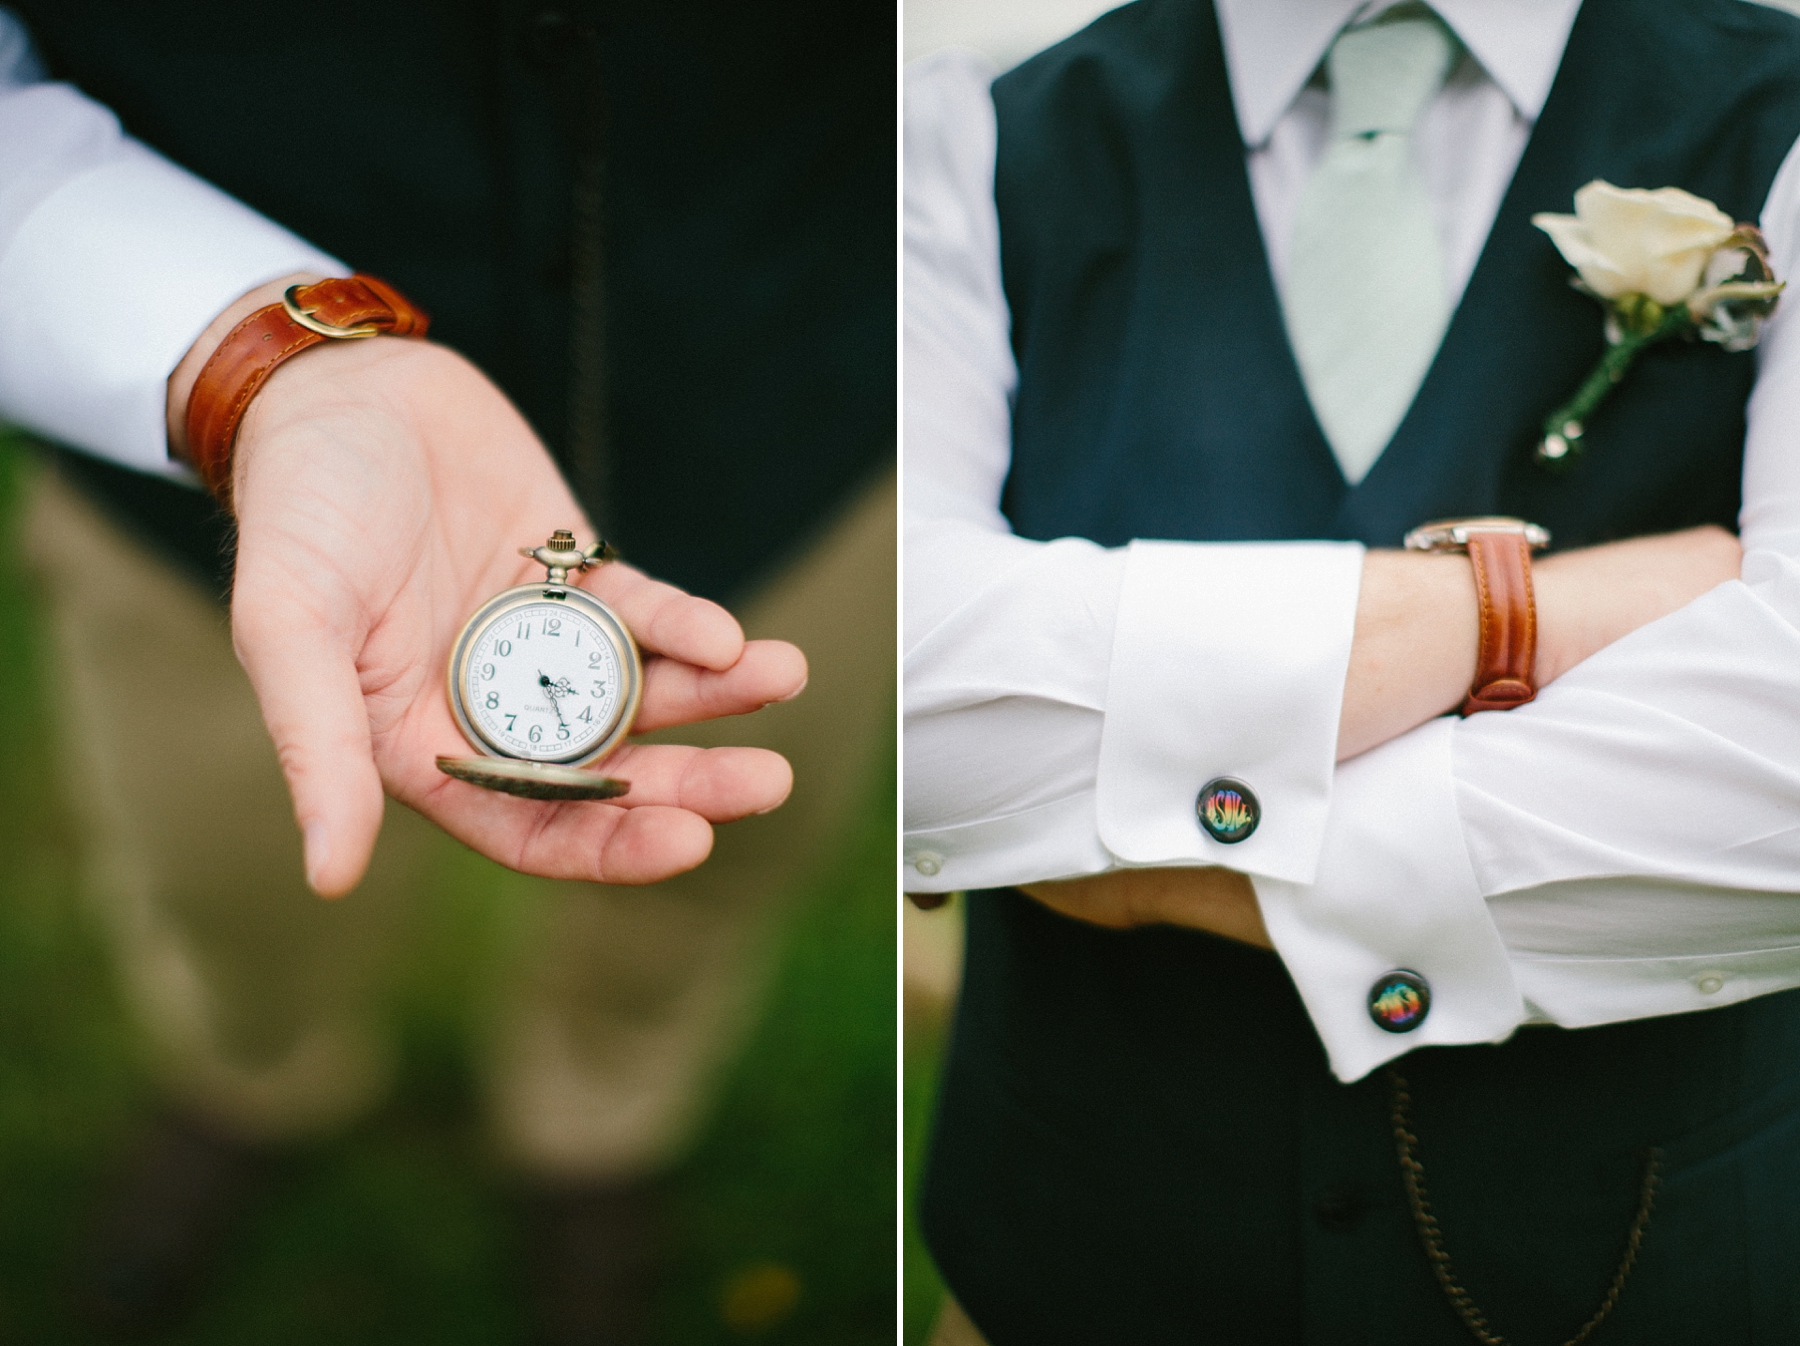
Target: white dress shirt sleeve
1065 703
112 261
1627 845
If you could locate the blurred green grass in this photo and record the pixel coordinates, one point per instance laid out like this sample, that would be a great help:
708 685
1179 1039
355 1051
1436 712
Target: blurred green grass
922 1291
401 1232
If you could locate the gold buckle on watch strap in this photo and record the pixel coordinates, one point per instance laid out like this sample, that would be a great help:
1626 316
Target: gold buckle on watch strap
1451 535
304 316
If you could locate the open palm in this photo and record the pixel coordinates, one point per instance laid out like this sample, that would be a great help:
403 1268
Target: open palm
383 489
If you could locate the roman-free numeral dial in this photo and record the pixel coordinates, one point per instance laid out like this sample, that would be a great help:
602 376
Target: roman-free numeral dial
544 682
545 677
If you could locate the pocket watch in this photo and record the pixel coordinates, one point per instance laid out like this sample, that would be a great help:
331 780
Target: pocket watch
544 679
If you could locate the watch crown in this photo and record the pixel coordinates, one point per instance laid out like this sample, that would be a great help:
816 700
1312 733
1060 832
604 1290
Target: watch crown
561 540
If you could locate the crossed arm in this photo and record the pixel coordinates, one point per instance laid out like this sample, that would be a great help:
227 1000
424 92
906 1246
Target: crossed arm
1412 659
1064 700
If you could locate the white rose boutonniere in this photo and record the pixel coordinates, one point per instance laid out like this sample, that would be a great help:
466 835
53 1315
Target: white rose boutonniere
1662 263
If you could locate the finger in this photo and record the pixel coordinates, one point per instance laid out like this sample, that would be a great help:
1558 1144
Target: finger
312 704
659 829
720 784
665 620
594 842
681 693
646 846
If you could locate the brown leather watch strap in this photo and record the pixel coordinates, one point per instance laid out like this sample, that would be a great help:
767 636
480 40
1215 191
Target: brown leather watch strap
1507 654
337 309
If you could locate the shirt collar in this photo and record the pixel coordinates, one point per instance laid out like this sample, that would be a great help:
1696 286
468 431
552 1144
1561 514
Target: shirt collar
1272 48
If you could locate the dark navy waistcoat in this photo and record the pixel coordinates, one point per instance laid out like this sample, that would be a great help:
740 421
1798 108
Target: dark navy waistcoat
749 216
1138 1139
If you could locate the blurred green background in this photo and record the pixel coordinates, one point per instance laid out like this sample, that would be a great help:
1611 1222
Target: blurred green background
933 971
923 1292
402 1232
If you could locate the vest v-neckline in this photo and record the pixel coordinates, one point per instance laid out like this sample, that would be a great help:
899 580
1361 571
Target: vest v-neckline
1158 394
1506 251
1538 164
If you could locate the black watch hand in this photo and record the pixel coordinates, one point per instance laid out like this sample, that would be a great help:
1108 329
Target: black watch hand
550 691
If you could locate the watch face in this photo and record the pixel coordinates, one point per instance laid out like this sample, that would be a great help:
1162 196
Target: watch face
545 679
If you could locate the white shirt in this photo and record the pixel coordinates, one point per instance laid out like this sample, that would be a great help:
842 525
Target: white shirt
1627 845
112 261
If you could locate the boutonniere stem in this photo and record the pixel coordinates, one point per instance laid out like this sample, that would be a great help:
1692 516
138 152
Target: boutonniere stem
1662 264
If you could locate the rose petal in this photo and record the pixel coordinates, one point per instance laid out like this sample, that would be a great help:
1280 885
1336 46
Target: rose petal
1596 270
1725 264
1632 240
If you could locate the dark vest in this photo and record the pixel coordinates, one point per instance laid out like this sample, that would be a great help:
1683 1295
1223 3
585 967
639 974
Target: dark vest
749 216
1138 1139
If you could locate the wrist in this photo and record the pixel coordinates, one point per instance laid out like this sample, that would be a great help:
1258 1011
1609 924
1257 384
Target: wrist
1499 549
181 381
1413 657
229 378
399 394
1594 596
1564 635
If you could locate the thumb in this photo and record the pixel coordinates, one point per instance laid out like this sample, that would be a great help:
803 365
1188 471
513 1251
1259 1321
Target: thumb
312 703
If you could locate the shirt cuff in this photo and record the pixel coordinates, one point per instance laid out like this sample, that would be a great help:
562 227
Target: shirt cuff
1586 992
106 285
1396 891
1214 645
1055 840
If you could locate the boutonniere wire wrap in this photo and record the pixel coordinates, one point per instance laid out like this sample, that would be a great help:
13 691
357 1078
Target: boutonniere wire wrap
1662 263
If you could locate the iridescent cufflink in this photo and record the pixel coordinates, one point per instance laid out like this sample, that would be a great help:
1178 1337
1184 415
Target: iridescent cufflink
1400 1001
1227 810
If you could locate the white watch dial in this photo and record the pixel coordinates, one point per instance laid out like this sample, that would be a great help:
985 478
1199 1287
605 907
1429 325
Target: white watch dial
543 681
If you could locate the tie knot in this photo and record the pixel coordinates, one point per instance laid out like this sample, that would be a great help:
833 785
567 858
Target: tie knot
1384 73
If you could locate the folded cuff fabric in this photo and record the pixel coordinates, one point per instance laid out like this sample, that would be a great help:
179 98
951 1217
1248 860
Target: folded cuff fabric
113 260
1214 643
1395 891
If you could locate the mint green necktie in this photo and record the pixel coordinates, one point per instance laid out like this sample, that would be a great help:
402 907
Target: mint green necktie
1365 298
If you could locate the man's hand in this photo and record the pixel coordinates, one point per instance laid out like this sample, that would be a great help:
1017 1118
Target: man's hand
1218 901
382 490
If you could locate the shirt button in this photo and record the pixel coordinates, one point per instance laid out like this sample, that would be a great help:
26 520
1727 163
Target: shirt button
1227 810
1710 983
1399 1002
928 863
